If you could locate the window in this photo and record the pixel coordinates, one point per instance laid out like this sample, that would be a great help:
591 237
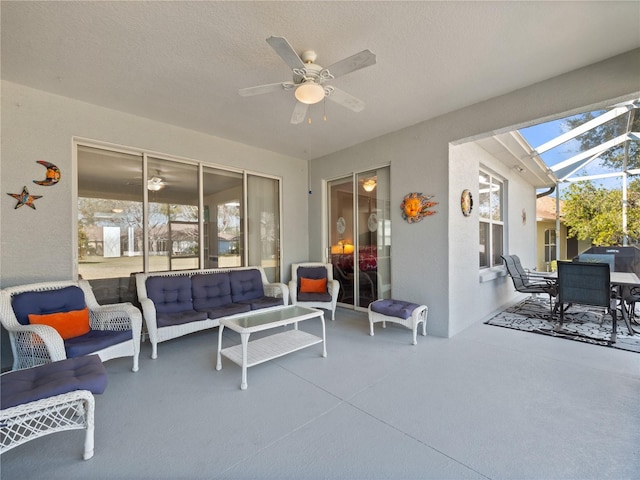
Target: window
490 210
138 212
549 246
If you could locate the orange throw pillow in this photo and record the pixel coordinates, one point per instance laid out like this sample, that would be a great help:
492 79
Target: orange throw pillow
310 285
68 324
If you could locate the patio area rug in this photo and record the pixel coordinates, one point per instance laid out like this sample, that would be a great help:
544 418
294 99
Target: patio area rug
581 323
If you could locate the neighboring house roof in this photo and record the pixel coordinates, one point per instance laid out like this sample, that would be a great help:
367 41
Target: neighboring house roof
546 208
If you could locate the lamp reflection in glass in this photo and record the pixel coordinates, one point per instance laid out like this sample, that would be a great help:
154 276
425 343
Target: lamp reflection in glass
342 247
309 93
155 183
369 185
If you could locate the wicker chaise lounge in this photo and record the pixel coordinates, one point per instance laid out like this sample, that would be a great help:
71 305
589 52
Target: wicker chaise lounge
50 398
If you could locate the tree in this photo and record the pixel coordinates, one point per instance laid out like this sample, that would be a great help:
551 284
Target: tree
613 128
595 213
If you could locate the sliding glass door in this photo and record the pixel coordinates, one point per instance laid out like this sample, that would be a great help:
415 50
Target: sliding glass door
360 236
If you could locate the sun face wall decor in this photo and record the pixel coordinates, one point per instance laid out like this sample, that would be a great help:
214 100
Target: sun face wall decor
415 207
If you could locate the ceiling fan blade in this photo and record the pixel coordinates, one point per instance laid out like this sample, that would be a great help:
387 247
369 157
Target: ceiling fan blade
299 113
355 62
346 100
286 52
260 89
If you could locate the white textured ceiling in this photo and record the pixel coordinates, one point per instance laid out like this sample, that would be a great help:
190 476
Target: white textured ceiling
183 62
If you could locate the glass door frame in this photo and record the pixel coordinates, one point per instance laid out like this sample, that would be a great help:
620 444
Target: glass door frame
357 262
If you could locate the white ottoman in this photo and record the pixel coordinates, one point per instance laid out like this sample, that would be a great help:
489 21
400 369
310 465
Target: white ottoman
406 314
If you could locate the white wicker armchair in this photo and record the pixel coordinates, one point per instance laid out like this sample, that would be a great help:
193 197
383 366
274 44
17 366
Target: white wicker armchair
330 296
34 345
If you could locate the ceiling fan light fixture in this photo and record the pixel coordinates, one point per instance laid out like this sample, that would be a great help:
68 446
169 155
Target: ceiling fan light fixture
309 93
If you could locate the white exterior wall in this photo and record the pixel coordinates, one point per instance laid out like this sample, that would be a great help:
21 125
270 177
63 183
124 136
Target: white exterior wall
435 261
37 245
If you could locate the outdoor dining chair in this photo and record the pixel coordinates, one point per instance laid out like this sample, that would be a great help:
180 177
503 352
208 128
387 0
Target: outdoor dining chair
526 283
586 283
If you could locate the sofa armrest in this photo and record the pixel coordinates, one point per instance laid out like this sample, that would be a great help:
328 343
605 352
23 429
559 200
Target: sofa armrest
278 290
293 292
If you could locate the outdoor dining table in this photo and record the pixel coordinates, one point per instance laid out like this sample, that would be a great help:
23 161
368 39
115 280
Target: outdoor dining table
622 282
625 281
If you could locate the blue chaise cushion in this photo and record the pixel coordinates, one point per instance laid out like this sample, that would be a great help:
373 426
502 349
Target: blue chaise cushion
31 384
49 301
394 308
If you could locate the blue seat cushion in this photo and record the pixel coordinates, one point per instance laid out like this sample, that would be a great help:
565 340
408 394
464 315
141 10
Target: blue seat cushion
31 384
179 318
49 301
170 294
210 290
94 341
246 285
314 297
228 309
394 308
262 302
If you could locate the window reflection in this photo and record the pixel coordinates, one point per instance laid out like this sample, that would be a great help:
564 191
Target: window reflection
113 221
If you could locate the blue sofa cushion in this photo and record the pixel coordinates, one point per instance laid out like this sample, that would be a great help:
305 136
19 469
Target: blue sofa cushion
178 318
246 285
170 294
314 297
394 308
228 309
48 301
31 384
95 340
210 291
262 302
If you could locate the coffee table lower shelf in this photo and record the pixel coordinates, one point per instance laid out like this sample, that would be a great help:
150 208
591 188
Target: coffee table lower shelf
273 346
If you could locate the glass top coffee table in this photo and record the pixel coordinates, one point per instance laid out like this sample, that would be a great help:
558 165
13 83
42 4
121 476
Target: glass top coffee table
248 354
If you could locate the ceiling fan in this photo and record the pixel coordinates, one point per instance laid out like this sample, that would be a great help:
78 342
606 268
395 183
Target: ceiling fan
310 79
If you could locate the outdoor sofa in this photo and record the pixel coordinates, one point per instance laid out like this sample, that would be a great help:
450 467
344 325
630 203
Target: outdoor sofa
177 303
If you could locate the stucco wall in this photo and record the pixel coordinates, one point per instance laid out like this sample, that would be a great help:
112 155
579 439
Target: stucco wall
419 159
36 244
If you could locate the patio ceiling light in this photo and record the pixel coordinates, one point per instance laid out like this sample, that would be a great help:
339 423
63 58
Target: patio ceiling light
309 92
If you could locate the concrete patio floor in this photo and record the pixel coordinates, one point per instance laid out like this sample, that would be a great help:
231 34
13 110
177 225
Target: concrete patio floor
488 403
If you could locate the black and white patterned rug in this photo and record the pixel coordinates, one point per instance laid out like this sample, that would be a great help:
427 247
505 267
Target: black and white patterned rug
581 323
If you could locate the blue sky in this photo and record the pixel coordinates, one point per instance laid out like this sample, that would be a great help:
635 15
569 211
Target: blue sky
539 134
